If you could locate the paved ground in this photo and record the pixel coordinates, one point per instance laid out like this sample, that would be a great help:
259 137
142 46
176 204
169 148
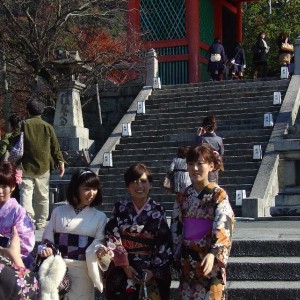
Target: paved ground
285 228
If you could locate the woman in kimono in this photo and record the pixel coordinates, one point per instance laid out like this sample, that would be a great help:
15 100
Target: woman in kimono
140 238
13 214
202 226
77 230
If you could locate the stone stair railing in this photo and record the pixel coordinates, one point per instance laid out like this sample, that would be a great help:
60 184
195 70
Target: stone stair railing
265 187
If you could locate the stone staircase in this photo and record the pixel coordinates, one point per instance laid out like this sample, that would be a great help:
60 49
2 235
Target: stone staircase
172 117
264 270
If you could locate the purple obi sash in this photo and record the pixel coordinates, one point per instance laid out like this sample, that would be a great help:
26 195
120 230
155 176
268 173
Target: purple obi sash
195 229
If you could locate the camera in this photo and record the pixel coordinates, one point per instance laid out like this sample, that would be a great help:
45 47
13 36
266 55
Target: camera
4 241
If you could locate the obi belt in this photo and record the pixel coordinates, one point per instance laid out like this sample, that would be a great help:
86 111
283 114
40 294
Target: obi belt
196 229
72 246
142 243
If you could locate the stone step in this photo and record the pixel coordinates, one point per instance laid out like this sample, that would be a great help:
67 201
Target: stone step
276 248
225 89
258 83
213 101
263 290
158 130
119 156
192 116
173 150
230 99
178 139
173 145
264 268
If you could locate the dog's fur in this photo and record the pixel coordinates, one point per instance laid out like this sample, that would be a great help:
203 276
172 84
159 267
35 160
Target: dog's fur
51 273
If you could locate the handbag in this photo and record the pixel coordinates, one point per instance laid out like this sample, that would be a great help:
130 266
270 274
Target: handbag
285 58
53 274
17 151
287 47
168 181
215 57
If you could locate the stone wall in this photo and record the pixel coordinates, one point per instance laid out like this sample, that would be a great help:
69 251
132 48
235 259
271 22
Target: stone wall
114 104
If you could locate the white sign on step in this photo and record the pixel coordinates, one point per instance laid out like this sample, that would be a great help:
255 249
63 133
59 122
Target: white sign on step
126 129
239 196
277 98
257 154
140 107
107 159
268 120
284 73
156 83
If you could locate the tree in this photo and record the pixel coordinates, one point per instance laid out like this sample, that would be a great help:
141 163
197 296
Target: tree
281 16
32 30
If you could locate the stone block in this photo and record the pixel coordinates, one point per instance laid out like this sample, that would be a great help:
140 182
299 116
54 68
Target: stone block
252 208
285 199
71 131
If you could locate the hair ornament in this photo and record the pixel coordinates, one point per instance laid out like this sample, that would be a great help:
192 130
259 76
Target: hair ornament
18 176
86 172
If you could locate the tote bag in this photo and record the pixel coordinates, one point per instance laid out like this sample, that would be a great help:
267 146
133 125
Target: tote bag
17 151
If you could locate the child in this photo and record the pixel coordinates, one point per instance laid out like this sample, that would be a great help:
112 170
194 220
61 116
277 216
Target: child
77 229
202 227
12 213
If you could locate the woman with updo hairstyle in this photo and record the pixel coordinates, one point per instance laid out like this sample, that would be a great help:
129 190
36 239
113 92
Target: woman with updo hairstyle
202 227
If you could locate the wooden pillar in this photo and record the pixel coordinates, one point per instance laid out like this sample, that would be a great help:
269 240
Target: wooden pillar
239 24
193 35
218 19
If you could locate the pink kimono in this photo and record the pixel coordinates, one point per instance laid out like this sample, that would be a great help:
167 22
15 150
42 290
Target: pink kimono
13 214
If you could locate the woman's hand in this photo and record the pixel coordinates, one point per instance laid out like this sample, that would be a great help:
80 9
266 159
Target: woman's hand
130 271
46 252
13 252
207 263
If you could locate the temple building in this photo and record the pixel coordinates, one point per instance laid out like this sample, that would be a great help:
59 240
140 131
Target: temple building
181 32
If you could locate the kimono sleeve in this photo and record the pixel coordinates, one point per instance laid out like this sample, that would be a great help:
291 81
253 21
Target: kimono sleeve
113 240
222 228
162 254
25 230
91 258
177 227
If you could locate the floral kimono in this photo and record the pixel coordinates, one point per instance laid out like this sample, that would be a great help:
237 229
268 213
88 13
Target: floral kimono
141 239
202 223
16 282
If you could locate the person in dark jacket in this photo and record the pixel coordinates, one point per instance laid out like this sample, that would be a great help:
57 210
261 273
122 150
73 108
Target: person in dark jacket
206 135
260 51
216 59
285 55
238 62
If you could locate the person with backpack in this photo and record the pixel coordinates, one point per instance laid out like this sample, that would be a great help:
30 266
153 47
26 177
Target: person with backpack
238 62
260 50
216 59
